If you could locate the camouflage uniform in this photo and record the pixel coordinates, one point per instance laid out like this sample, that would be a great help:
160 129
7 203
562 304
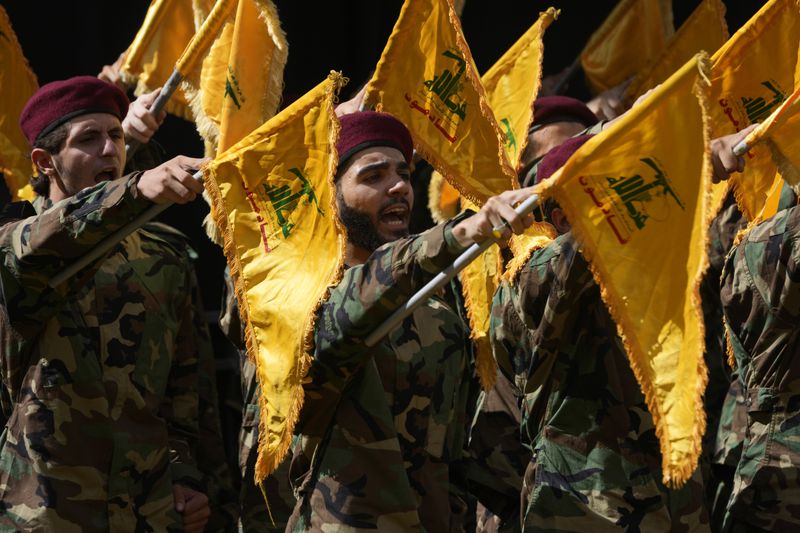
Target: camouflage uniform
382 428
761 301
720 397
595 462
497 458
253 513
102 371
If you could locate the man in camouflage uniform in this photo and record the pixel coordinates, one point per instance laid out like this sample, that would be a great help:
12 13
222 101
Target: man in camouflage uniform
497 457
382 429
102 371
760 297
595 462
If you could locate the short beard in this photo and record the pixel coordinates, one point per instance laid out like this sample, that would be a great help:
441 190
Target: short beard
361 231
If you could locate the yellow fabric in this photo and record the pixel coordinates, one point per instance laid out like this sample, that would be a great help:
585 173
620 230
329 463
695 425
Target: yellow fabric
537 236
205 77
705 29
781 134
426 78
632 36
443 198
238 85
752 74
168 27
17 84
273 199
255 71
513 83
636 196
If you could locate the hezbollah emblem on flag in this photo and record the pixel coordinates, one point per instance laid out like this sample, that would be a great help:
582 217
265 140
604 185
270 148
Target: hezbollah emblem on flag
751 110
442 102
628 202
275 203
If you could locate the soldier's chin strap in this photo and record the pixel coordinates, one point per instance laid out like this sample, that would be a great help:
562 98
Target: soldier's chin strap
102 247
444 277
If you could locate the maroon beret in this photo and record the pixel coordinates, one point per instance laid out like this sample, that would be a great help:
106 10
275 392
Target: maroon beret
57 102
549 109
369 128
558 156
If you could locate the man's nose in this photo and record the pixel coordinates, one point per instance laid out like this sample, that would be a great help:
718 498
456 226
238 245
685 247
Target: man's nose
110 146
400 186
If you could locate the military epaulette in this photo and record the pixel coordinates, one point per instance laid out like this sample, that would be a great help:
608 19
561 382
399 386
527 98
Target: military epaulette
171 236
16 211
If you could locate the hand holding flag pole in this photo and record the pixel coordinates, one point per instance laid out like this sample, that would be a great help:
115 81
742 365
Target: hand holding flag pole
444 277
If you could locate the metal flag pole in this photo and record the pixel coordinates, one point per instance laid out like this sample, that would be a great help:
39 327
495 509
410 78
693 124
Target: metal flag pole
444 277
112 240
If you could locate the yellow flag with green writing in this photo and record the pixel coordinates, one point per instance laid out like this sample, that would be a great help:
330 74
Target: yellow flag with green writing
640 214
254 80
238 84
705 29
168 27
513 83
17 84
427 79
780 133
274 202
752 74
628 41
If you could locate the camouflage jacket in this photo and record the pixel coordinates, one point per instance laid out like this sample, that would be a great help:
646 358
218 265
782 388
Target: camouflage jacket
102 371
595 462
382 428
761 302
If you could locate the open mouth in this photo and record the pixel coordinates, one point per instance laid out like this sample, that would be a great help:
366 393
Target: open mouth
395 216
106 174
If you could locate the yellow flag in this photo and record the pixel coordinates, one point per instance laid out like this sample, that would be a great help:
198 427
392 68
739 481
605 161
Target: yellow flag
254 80
17 84
780 132
427 79
752 74
705 29
273 199
632 37
238 85
636 197
168 27
513 83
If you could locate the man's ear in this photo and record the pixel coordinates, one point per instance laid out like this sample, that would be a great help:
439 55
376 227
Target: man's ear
44 162
559 220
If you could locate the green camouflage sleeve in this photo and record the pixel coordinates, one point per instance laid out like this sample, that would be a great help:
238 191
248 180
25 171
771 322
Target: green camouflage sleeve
36 248
367 295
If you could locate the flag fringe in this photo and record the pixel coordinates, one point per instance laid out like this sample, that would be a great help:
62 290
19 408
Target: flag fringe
268 14
523 246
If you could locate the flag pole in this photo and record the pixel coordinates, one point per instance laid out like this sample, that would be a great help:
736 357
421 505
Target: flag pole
112 240
444 277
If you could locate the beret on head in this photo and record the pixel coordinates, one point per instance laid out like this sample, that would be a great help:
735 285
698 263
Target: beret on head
366 129
60 101
558 156
549 109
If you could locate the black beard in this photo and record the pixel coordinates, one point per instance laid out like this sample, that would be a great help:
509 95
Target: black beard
360 230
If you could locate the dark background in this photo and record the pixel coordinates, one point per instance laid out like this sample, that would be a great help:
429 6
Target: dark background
68 38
